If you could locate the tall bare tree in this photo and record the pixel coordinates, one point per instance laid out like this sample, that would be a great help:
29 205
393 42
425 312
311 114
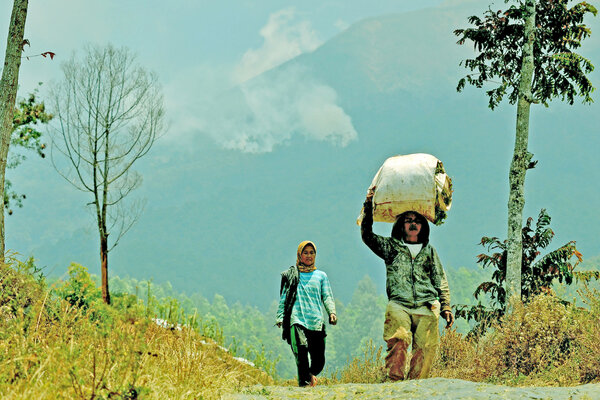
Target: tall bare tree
529 49
110 112
9 84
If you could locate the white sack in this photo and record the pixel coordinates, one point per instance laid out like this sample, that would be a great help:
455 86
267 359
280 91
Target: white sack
413 182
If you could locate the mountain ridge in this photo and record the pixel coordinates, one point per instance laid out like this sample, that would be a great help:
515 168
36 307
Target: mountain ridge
223 221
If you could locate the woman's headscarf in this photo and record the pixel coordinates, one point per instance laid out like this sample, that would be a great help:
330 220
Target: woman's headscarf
302 267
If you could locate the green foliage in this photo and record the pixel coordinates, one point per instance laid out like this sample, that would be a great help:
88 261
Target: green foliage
25 136
79 290
85 349
21 282
536 276
28 114
498 37
586 276
11 197
246 332
353 353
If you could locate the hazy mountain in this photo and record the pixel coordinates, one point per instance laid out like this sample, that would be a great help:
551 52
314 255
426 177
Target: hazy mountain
228 220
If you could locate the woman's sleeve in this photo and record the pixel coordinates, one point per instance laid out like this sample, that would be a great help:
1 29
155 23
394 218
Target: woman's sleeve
327 295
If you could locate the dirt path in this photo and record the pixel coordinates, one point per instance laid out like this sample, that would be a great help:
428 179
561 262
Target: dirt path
435 388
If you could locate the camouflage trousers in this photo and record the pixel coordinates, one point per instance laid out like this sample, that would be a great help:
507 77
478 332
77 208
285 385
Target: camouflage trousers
405 326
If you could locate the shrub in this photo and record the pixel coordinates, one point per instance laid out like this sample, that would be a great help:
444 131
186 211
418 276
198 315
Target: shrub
21 284
455 356
544 343
79 290
537 275
532 339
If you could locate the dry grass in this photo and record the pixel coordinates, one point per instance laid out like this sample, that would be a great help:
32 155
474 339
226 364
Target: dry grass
544 343
50 349
53 349
587 354
453 352
369 368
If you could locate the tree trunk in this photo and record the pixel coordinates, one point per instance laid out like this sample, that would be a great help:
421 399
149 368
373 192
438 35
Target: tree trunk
104 267
8 94
518 166
103 232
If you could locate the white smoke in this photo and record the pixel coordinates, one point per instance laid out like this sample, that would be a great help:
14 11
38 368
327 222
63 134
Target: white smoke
341 25
284 38
267 111
264 112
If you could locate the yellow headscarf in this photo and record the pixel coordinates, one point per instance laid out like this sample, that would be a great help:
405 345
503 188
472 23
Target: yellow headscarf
302 267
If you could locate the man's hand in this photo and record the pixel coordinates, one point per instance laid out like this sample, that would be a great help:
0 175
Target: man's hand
278 324
447 315
332 319
370 194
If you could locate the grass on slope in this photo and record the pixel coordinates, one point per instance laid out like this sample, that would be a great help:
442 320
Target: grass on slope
63 342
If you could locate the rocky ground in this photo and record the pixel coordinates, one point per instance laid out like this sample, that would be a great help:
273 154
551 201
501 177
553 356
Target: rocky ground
434 388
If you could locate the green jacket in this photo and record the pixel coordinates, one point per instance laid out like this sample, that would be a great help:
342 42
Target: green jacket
289 282
412 283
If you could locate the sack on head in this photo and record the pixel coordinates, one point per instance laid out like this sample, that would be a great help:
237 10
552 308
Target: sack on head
413 182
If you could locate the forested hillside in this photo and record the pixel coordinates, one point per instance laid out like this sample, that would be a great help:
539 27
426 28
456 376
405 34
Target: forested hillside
220 215
251 333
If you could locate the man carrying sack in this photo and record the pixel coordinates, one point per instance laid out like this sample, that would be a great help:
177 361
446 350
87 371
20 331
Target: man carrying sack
417 291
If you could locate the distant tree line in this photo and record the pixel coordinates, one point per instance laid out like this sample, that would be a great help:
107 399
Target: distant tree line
251 333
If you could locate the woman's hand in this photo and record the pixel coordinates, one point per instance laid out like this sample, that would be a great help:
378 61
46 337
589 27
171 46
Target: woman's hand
332 319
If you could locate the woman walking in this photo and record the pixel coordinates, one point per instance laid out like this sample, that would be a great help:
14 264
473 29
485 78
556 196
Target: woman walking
304 291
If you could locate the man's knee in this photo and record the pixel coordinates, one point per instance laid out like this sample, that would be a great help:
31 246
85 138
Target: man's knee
401 334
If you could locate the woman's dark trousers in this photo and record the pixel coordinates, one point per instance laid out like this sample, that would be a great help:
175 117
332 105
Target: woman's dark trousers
305 342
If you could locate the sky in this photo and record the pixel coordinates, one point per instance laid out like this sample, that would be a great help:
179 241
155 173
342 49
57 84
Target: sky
200 50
